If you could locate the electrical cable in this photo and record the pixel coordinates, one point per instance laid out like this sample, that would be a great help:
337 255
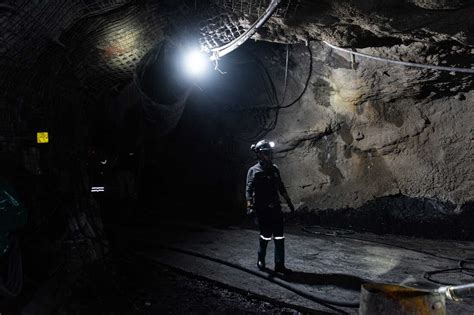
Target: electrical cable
246 293
335 232
323 301
403 63
307 230
263 112
272 94
310 72
467 260
427 274
285 82
276 104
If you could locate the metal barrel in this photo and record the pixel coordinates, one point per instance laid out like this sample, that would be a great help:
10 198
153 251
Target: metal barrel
390 299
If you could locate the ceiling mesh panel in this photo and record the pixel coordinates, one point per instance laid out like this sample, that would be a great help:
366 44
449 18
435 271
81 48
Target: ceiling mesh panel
105 50
228 19
254 8
103 40
219 27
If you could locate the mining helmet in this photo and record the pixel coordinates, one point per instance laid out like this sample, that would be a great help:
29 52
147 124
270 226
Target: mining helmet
262 146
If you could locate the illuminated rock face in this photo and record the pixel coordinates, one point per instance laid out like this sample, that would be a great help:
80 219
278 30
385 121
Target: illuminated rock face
361 23
367 129
377 130
438 4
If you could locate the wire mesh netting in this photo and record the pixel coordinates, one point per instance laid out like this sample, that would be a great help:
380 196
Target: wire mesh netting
106 52
103 48
100 42
93 7
226 20
219 28
286 8
113 35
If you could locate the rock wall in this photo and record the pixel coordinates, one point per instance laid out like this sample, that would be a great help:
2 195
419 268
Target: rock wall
364 23
365 129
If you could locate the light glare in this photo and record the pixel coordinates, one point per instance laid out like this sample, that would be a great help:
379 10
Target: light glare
195 62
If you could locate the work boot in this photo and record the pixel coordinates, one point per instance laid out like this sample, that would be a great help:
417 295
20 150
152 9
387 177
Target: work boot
280 268
262 251
280 256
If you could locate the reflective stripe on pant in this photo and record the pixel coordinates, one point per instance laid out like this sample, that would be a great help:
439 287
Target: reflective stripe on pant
270 223
270 238
279 249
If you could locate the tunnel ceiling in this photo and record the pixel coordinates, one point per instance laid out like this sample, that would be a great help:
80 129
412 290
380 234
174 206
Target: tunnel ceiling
100 42
361 130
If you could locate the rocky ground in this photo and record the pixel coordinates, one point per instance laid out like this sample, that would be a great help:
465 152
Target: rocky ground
133 286
126 284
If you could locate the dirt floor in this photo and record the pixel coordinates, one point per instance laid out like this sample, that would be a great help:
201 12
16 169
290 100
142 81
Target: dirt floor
328 264
124 283
129 285
140 277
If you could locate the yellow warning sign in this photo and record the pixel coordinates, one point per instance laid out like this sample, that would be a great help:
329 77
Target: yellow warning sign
42 137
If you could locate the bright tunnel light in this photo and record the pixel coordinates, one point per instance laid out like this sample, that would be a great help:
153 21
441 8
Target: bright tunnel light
195 62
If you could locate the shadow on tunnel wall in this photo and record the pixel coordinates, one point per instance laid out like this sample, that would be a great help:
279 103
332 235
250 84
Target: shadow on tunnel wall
400 215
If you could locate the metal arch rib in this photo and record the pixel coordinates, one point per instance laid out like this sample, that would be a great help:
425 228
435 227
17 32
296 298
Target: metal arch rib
227 48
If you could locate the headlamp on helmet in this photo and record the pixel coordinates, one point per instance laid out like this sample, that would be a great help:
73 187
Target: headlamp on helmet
263 146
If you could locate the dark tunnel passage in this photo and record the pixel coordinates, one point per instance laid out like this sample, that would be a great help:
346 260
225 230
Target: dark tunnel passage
195 170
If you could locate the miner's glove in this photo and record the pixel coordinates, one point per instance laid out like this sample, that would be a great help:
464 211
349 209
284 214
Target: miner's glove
291 206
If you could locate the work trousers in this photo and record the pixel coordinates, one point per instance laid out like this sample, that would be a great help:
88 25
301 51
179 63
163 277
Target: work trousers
270 223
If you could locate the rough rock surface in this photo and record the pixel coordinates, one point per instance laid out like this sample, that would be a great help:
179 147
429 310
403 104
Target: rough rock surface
368 129
362 23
